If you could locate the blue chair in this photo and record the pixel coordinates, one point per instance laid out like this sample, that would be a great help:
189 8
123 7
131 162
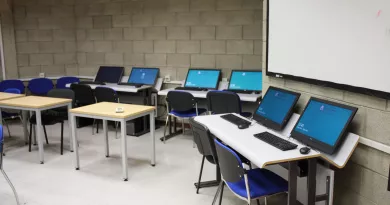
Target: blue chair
181 105
40 86
11 115
1 165
61 82
6 84
220 102
246 184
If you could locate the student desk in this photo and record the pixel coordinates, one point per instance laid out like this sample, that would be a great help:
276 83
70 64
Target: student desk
107 111
36 104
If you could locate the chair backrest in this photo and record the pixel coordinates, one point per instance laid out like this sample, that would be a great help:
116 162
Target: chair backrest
6 84
61 82
104 94
203 139
229 163
62 93
12 90
180 101
83 94
40 86
219 102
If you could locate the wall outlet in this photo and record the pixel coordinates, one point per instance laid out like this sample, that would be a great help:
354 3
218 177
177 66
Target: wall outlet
41 75
167 78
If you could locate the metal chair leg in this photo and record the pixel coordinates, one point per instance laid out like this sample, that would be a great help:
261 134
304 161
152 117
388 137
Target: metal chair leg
220 196
116 129
182 125
6 124
216 193
35 134
165 127
93 126
265 201
62 138
29 138
44 130
258 201
11 185
200 175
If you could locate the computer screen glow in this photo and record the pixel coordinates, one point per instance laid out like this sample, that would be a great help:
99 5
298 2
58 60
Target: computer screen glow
202 78
243 80
145 76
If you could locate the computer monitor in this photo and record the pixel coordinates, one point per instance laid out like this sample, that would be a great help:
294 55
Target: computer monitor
143 76
109 74
323 124
246 80
203 78
276 108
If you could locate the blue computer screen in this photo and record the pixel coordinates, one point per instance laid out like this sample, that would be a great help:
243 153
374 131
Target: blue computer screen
108 74
202 78
145 76
242 80
276 104
323 122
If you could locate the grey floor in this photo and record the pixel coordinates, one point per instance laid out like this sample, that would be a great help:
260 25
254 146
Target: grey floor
99 180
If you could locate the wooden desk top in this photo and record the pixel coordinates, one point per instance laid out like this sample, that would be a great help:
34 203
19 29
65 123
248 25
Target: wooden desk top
6 96
107 109
34 102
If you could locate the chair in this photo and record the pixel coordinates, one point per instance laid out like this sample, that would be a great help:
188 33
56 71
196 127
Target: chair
6 84
54 116
220 102
61 82
40 86
246 184
1 166
11 115
181 105
104 94
83 95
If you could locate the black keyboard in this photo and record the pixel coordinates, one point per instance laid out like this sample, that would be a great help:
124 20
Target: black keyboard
131 84
275 141
235 120
189 88
91 83
241 91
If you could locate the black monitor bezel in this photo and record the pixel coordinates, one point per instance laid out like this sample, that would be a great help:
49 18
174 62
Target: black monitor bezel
155 80
272 124
230 80
120 76
213 88
316 144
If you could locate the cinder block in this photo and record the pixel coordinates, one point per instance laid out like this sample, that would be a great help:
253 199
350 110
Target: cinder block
132 7
142 20
113 34
240 47
143 46
213 18
53 70
65 58
327 92
188 46
19 11
102 22
240 17
95 34
62 11
229 4
37 11
252 4
81 58
114 58
23 2
134 59
181 73
48 23
155 59
202 61
253 32
365 100
81 10
213 47
81 34
155 33
372 158
178 33
84 22
178 60
296 85
112 8
41 59
95 58
95 9
21 35
252 62
71 70
164 19
70 46
64 35
202 32
258 47
27 47
88 70
40 35
179 5
103 46
153 6
23 60
123 46
29 71
229 32
188 19
26 23
121 21
65 23
229 61
51 47
133 33
164 46
168 70
202 5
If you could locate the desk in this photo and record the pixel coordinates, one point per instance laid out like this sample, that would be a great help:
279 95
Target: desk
119 88
106 111
36 104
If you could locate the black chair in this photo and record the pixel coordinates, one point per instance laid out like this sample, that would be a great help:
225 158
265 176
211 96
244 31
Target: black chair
220 102
54 116
104 94
83 96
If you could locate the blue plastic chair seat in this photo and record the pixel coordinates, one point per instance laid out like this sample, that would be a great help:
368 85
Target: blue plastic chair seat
262 182
189 113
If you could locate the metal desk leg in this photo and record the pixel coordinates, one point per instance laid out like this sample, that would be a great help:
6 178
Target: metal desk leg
311 182
25 130
105 131
72 122
124 150
70 128
292 183
153 138
39 135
